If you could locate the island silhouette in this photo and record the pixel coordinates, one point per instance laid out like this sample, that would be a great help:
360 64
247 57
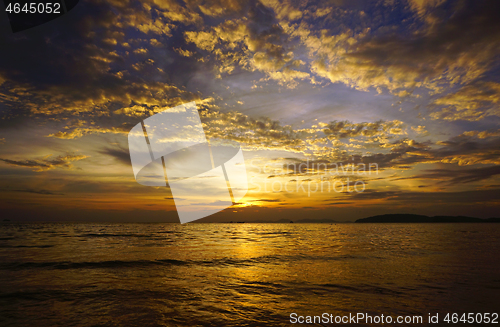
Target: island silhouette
411 218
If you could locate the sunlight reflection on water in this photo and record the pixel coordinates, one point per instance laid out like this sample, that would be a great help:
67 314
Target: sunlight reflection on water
241 274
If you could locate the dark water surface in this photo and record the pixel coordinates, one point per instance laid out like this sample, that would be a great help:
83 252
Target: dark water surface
242 274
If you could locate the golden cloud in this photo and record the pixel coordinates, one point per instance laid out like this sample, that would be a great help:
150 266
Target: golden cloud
46 163
472 102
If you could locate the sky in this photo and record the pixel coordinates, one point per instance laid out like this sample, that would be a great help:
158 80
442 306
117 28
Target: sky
343 109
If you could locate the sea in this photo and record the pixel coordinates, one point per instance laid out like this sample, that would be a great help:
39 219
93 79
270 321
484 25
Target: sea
110 274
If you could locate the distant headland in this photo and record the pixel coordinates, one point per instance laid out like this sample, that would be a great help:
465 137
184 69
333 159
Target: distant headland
410 218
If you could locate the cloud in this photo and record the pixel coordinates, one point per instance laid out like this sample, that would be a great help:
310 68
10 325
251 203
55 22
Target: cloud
462 150
420 130
262 133
423 6
386 140
105 67
319 140
471 148
122 155
46 163
98 69
345 129
481 134
452 50
428 198
203 40
79 132
39 191
106 77
88 65
472 102
338 203
460 176
254 42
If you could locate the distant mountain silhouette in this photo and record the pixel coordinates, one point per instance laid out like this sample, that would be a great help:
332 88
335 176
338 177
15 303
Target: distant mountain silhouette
409 218
300 221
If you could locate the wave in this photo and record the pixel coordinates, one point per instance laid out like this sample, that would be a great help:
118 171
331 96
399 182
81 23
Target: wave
26 246
116 235
92 264
221 262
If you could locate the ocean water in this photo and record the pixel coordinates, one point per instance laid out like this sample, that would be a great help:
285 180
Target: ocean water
242 274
